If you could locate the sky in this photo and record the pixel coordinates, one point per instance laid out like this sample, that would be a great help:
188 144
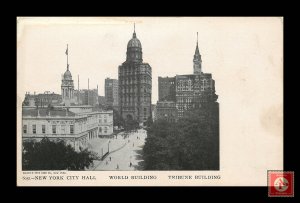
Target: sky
244 55
97 46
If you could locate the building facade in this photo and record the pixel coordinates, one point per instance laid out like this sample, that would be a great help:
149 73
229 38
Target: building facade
76 129
86 97
112 92
166 89
194 90
166 110
135 84
186 91
42 100
102 101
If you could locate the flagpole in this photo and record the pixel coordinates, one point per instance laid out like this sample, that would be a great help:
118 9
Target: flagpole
67 56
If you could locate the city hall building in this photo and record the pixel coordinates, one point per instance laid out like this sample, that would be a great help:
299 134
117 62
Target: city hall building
67 119
75 125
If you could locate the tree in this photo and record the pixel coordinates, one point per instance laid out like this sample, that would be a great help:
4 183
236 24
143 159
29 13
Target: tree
190 144
149 122
49 155
131 124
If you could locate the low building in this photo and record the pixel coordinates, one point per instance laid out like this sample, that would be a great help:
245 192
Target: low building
166 110
76 125
42 100
102 100
112 92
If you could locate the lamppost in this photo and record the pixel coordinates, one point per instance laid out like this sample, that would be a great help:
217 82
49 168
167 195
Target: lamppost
108 145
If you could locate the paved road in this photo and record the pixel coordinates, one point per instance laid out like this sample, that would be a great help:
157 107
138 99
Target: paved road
125 154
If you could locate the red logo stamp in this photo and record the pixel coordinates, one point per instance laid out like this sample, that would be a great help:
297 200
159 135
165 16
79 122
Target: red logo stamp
280 184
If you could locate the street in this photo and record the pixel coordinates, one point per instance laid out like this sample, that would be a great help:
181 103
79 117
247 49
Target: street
124 151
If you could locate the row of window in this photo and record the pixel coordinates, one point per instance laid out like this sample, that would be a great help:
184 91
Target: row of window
171 83
185 107
185 100
134 82
139 99
104 121
104 130
43 128
135 90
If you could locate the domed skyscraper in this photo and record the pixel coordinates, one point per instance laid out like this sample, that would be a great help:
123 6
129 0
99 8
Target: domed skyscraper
135 84
67 85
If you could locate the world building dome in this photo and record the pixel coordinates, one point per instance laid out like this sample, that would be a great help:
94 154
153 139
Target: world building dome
134 50
134 42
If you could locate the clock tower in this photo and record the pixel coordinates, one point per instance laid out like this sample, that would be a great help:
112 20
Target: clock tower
197 60
67 85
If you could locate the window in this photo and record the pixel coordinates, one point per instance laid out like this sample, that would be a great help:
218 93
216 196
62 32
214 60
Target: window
63 129
100 120
34 129
24 128
105 129
105 120
43 129
100 130
53 129
71 129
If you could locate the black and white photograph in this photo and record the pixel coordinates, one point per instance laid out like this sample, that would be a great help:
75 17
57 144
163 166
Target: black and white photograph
196 100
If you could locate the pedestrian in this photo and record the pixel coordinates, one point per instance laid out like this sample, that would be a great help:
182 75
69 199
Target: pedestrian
130 164
117 166
106 162
110 158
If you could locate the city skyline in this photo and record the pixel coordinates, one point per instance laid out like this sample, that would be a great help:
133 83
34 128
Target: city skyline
56 60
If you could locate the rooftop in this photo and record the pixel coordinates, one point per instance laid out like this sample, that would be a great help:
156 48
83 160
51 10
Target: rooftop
43 112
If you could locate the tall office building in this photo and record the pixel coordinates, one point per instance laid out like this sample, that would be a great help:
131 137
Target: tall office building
112 92
135 84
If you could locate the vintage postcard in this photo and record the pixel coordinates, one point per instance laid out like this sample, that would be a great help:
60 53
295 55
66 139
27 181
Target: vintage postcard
149 101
